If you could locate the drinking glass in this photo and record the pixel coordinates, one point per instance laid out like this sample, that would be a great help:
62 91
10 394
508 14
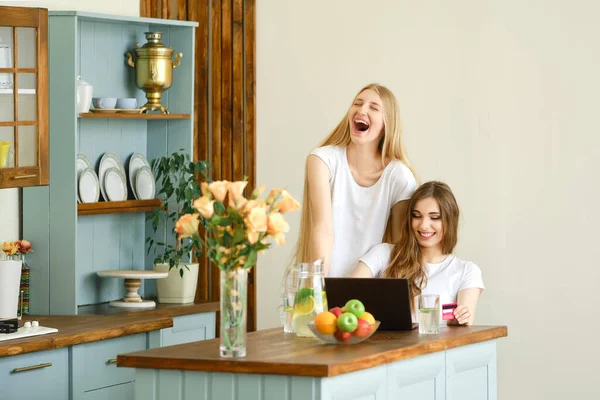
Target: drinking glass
429 313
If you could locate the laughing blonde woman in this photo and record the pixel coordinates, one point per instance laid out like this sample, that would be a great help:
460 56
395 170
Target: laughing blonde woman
357 182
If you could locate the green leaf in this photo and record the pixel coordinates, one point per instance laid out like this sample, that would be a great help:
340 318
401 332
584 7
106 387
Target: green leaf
219 207
238 236
225 221
251 260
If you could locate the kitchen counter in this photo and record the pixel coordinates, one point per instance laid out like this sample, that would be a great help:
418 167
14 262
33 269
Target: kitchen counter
460 362
99 323
274 352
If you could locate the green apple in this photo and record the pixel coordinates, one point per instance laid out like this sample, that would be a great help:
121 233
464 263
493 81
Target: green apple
355 307
347 322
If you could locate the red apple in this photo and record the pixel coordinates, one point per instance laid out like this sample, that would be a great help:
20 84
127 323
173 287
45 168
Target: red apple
362 329
342 336
337 311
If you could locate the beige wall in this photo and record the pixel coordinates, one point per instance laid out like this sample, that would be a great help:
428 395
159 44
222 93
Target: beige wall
500 100
9 198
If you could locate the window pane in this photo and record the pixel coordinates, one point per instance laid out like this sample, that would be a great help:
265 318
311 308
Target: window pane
27 50
7 104
27 146
7 139
6 47
27 97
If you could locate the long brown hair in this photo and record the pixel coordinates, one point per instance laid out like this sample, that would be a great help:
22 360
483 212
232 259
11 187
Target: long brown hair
391 148
406 260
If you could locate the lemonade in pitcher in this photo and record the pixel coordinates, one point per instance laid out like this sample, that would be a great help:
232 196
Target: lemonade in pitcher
310 298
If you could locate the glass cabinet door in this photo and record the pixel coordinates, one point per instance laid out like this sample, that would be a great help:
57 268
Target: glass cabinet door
23 97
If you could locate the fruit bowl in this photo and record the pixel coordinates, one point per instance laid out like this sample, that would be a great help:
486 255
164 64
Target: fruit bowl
338 337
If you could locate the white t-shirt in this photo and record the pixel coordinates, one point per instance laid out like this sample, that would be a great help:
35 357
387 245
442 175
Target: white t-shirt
360 214
446 278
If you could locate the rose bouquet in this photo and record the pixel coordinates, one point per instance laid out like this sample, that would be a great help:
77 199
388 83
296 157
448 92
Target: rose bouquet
16 250
237 230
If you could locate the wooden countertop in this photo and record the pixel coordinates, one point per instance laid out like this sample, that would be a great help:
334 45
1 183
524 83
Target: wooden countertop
274 352
78 329
99 322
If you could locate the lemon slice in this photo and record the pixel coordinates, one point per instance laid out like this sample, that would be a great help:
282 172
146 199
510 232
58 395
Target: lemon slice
305 307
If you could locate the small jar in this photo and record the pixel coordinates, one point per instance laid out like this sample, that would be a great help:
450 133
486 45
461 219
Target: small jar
84 95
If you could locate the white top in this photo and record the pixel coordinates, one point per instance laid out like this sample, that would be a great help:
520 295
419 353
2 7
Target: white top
360 214
446 278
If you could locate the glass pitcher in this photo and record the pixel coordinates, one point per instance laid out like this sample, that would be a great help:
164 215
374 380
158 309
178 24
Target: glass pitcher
304 296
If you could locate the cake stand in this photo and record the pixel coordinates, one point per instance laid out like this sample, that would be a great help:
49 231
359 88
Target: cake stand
133 281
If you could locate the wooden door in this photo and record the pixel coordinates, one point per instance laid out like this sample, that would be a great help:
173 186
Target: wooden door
23 97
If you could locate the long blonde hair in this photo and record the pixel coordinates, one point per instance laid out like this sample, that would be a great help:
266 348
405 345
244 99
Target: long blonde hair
391 147
406 260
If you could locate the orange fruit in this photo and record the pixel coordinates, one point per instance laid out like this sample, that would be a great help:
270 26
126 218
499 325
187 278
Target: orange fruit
368 317
326 323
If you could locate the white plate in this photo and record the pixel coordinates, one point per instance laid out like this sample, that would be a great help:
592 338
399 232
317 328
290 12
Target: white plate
145 185
115 185
89 191
136 162
108 160
81 163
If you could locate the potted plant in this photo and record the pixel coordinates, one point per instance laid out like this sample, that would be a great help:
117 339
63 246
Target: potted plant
179 181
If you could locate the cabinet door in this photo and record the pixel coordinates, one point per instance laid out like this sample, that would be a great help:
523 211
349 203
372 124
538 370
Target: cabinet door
23 97
186 329
35 376
94 364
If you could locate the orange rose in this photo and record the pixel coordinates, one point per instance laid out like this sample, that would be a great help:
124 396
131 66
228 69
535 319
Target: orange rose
218 189
277 224
205 206
24 246
10 248
288 203
236 197
280 238
273 195
187 225
252 236
256 220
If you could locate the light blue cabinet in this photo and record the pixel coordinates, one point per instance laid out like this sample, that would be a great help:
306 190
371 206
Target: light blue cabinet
74 247
185 329
463 373
94 366
35 376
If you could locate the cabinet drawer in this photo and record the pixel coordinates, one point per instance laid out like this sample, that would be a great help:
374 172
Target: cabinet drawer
94 364
49 378
189 328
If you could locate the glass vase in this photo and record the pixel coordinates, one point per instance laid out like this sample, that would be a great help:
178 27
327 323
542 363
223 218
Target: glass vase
234 291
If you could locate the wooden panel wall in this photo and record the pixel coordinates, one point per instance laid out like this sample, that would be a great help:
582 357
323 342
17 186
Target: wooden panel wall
224 101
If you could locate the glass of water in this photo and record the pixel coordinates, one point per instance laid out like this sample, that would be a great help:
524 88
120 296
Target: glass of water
429 313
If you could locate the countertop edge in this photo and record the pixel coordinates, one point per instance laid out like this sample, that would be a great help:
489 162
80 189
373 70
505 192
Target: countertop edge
57 340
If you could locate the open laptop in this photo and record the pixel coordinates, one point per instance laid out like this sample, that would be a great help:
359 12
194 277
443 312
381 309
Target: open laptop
386 298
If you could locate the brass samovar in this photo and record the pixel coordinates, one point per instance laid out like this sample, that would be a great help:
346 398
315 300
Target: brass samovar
153 69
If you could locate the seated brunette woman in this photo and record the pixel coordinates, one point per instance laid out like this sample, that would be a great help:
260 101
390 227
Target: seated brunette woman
424 254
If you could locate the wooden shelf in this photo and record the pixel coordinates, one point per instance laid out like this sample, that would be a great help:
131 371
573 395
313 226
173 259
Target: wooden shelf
20 91
117 207
117 115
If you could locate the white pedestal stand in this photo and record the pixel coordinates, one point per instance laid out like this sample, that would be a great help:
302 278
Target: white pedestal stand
133 281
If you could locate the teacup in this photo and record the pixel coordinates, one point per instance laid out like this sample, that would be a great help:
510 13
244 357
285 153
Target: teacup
127 103
104 102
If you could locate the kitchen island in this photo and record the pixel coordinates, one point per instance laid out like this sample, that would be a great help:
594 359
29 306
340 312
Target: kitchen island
458 363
